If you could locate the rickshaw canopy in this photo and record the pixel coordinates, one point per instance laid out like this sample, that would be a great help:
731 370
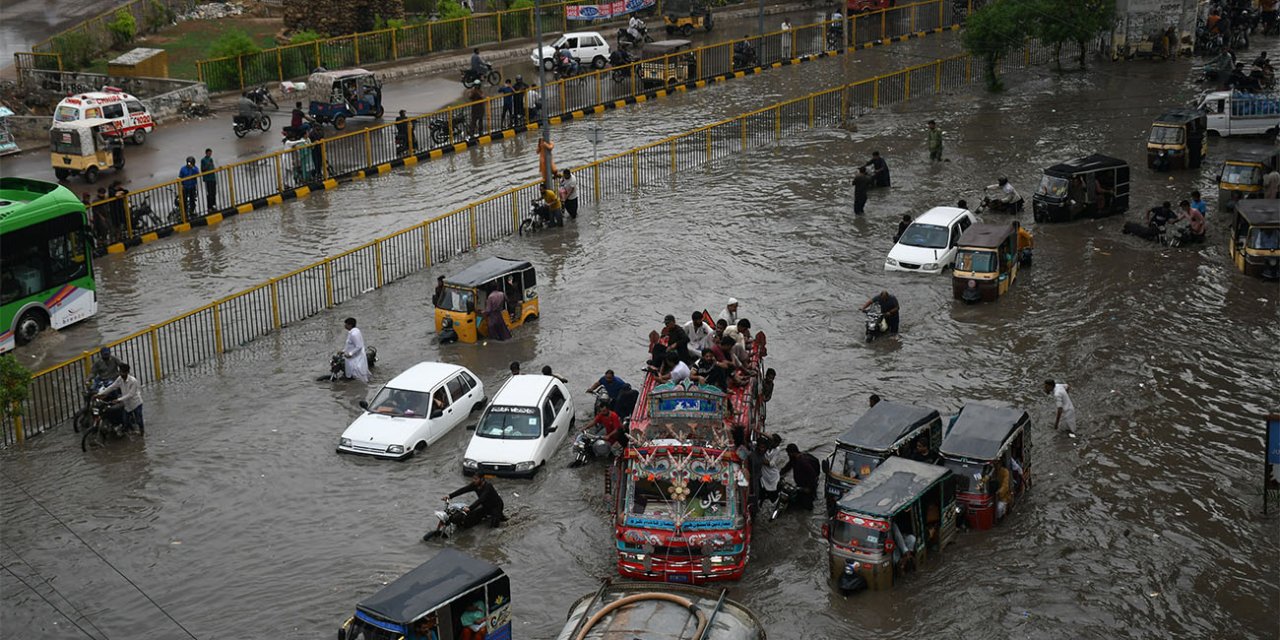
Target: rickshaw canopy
884 425
1258 212
1182 117
1256 154
985 236
1089 164
77 136
892 487
981 431
320 84
486 271
665 47
437 582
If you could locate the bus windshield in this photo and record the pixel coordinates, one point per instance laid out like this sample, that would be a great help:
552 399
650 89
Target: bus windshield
45 253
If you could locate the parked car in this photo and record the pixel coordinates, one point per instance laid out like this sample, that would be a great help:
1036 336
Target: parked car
929 244
521 428
413 410
587 46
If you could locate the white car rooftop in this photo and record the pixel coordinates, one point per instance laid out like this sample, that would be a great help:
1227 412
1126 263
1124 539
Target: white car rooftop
941 216
423 376
928 245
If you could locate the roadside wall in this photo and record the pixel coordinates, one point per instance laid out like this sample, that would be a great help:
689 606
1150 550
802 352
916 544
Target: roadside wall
1139 23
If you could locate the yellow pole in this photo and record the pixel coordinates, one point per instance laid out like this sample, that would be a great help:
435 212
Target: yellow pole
275 303
906 84
595 176
217 327
324 159
128 218
515 213
356 42
231 185
428 37
777 123
279 172
377 263
426 245
155 352
499 19
708 145
635 170
937 77
810 112
673 157
368 148
395 51
317 50
328 283
875 92
466 26
279 66
17 428
471 213
883 29
744 133
240 66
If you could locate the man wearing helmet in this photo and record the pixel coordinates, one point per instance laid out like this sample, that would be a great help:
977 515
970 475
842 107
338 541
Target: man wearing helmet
187 174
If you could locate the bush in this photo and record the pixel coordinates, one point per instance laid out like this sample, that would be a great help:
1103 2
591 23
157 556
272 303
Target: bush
517 25
233 43
123 27
306 35
451 10
76 48
15 382
159 15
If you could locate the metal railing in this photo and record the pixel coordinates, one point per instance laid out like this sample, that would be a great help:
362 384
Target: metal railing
148 15
193 338
162 207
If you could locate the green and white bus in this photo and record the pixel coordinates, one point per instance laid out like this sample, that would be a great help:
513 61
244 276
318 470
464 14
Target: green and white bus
46 260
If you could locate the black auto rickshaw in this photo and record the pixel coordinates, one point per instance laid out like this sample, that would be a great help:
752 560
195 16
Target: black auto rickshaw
893 522
461 305
1241 174
1094 186
887 429
988 449
1178 140
1255 238
450 596
683 16
987 259
668 62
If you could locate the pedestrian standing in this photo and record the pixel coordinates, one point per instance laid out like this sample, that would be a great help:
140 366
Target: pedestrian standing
1066 411
475 95
935 142
533 102
402 133
861 184
520 88
906 222
188 174
316 136
1271 184
880 169
786 38
569 193
508 92
495 324
355 360
207 167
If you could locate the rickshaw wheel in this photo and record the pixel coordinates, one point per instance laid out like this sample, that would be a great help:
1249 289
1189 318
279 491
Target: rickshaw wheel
340 122
686 30
91 175
379 112
61 174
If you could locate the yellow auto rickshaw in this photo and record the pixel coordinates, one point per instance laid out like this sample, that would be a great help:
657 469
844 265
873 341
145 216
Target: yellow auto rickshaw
83 147
1178 140
1242 172
1255 238
460 306
987 259
668 62
683 16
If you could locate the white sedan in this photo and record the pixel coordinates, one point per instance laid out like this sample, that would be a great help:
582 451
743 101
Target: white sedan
928 245
520 430
413 410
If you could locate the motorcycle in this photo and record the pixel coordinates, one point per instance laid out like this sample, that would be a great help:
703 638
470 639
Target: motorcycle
240 125
566 67
744 57
627 39
589 445
83 419
262 97
451 516
537 218
490 75
438 129
102 426
877 325
786 491
992 201
295 134
835 38
621 62
338 365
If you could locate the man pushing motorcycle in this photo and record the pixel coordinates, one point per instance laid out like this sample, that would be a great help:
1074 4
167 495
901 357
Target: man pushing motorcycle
488 506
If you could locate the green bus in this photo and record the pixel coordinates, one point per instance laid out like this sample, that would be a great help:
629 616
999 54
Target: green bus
46 260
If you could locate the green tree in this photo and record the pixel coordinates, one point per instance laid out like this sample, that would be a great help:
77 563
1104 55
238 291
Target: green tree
451 10
123 27
306 35
15 382
993 31
1057 22
233 43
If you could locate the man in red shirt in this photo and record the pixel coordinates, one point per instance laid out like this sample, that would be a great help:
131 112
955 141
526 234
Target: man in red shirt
607 421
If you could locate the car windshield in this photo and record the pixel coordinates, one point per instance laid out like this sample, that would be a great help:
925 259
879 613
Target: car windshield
1264 238
66 113
859 465
970 260
401 402
667 498
461 300
857 535
1052 186
1241 174
1164 134
929 236
968 475
510 423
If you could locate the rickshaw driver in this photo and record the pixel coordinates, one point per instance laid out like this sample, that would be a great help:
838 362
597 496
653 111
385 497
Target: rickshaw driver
488 504
1008 195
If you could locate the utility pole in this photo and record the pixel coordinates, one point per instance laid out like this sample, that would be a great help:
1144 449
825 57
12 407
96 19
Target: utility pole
542 94
760 25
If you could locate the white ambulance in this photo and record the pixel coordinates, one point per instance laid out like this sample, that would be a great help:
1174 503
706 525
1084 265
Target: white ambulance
129 114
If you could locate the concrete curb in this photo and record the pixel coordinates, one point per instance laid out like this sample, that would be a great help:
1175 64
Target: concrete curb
360 174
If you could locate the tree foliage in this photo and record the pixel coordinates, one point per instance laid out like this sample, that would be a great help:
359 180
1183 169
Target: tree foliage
123 27
234 42
15 381
993 31
1059 22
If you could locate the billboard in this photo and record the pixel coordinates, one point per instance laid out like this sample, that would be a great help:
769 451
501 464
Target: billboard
606 10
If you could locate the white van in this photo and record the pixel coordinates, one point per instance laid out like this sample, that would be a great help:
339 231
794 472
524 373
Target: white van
1236 113
130 115
521 428
929 244
414 409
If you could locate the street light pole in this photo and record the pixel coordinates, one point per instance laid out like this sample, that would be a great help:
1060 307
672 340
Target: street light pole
545 163
760 25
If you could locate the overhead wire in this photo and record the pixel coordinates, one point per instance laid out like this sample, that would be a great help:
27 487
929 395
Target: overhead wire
48 602
79 614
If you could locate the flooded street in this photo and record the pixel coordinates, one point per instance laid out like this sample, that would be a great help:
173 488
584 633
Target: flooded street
236 515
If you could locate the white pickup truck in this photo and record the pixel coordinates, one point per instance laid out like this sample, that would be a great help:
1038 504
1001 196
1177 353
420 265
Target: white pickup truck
1236 113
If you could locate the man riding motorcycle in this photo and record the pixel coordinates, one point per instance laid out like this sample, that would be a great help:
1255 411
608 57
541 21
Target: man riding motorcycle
606 423
105 368
248 111
634 27
566 64
488 505
743 52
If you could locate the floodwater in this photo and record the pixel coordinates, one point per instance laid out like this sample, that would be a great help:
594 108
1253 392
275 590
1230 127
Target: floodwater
238 518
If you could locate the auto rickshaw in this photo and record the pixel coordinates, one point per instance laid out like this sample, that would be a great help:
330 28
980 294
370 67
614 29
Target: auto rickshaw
668 612
85 147
683 16
1241 174
461 306
896 519
1094 186
988 450
450 596
1178 140
866 6
1255 238
338 95
887 429
664 63
987 259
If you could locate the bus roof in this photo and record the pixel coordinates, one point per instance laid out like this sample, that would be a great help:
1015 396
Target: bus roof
24 201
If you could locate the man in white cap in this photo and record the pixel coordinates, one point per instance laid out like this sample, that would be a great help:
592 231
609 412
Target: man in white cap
730 312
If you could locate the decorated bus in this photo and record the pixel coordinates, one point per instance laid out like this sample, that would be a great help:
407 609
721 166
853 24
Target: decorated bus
679 492
46 260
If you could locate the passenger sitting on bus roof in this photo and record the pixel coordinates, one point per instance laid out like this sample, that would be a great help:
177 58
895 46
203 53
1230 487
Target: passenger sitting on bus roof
657 351
766 387
677 370
699 333
727 354
677 339
741 332
706 371
721 325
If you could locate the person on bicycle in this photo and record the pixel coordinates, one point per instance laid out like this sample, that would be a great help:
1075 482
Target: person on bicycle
126 410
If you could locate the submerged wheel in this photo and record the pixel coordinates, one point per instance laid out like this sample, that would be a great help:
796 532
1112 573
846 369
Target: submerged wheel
30 325
686 30
91 175
61 174
94 438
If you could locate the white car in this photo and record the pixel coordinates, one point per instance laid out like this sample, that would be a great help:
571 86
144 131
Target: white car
522 427
588 47
929 244
413 410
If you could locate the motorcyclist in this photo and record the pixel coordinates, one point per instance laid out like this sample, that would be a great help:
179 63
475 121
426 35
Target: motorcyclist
478 66
606 423
634 26
1160 216
105 368
743 52
126 410
248 110
888 309
1007 197
488 505
565 62
297 118
619 58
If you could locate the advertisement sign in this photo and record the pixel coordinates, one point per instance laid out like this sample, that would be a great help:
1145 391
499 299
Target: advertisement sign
606 10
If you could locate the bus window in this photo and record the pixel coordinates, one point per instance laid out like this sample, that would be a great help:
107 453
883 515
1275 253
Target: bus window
42 256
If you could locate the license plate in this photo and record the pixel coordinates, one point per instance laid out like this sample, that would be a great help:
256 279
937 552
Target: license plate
677 577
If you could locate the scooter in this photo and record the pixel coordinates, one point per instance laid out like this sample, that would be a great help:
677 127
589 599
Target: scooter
876 324
785 492
338 365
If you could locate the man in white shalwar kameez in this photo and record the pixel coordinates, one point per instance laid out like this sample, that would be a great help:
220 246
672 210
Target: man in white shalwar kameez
357 364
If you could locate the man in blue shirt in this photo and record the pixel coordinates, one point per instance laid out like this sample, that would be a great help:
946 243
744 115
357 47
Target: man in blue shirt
508 93
612 384
187 174
1198 204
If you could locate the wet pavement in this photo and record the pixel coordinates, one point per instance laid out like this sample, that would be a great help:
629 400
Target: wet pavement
26 22
236 515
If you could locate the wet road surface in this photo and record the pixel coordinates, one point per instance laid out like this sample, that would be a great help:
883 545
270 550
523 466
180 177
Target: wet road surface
237 516
26 22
